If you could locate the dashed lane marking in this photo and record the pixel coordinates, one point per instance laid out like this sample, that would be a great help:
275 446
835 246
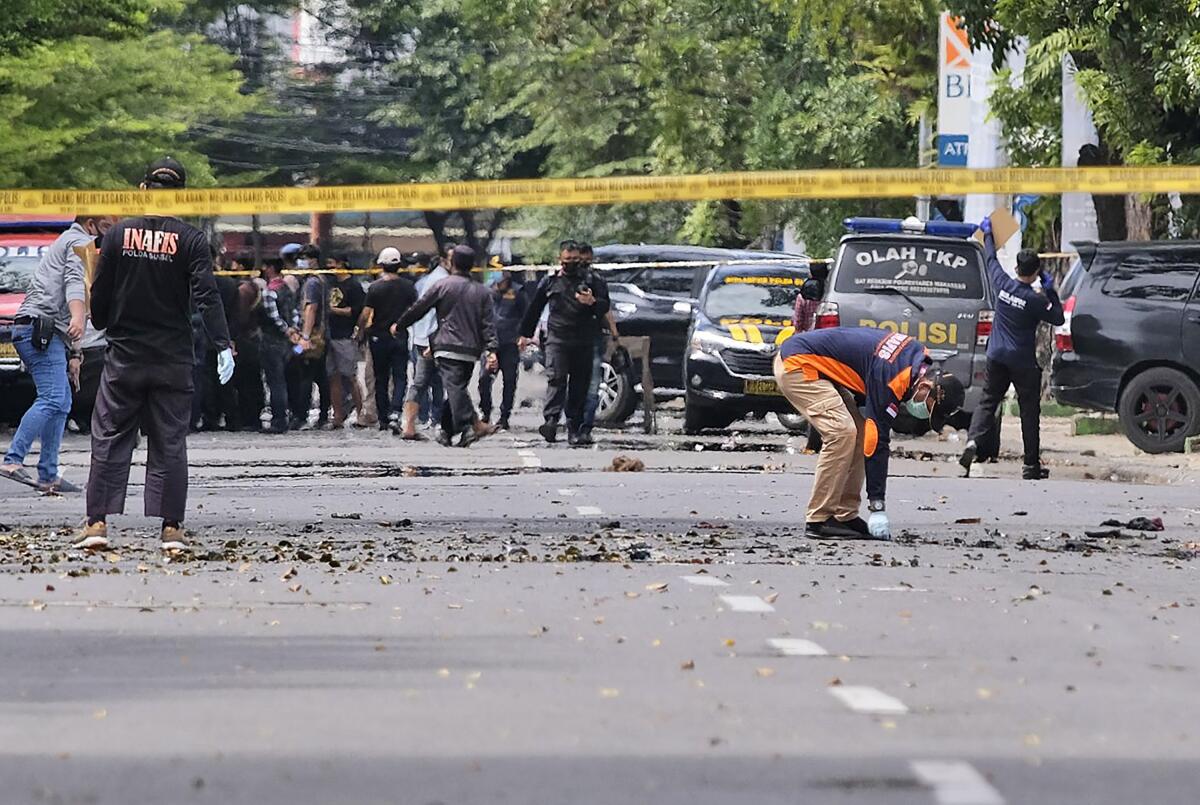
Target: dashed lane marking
956 783
568 493
704 581
528 458
795 647
589 511
746 603
863 699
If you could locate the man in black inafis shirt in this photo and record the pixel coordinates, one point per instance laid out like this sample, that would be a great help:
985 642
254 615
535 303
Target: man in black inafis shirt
152 271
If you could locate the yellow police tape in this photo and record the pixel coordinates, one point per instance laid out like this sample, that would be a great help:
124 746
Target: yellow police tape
807 184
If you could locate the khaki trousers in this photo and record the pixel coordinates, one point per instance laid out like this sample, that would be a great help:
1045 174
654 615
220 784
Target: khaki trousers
841 468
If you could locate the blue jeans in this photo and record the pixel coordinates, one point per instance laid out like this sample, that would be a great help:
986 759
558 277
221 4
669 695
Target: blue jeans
426 387
593 394
47 417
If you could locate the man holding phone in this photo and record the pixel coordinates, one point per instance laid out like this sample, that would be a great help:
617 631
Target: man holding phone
47 332
579 304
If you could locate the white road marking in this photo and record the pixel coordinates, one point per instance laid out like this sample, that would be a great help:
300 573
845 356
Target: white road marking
704 581
956 783
746 603
862 699
589 511
568 493
529 459
899 590
795 647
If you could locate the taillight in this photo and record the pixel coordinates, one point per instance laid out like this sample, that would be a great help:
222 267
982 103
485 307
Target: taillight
983 327
1062 333
827 316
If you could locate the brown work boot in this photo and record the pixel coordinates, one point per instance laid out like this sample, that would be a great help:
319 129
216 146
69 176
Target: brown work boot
174 540
93 537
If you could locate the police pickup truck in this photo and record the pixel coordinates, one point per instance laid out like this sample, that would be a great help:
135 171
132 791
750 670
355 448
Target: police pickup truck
743 314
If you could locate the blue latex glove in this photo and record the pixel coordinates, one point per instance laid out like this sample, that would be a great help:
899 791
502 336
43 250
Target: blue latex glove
878 525
225 365
1047 281
986 225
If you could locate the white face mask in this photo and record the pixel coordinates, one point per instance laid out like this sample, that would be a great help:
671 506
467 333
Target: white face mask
304 262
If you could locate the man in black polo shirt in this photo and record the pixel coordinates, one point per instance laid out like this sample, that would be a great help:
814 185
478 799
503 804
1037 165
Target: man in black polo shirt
152 271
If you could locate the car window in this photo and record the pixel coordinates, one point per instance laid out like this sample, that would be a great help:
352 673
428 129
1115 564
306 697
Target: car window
669 281
1071 279
1143 277
16 272
940 270
756 296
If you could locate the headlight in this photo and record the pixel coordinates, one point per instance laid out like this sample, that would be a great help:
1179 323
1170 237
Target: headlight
623 309
709 343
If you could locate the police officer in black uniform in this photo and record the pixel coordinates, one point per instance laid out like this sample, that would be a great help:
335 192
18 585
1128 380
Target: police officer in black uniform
152 271
1012 351
578 301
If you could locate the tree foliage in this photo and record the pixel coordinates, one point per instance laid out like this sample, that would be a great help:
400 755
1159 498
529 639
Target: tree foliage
90 112
26 23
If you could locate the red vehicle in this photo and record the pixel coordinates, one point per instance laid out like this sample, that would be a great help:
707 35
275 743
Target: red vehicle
23 240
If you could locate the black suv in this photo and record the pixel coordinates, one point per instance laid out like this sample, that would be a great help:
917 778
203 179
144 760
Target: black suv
1131 340
744 313
656 301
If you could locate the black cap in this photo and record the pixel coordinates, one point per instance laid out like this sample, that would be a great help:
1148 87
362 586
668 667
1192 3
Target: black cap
418 259
166 173
951 395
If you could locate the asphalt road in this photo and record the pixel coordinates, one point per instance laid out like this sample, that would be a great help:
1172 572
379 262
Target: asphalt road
372 621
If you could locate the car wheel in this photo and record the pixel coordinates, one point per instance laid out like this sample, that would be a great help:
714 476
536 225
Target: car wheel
795 423
618 397
1159 409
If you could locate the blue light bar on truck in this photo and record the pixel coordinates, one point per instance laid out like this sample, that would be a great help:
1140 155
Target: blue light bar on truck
910 226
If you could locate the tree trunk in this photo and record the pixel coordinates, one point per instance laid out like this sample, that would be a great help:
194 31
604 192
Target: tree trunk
1110 209
470 237
1138 217
436 221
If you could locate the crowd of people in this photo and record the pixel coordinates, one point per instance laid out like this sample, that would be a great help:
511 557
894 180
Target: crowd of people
173 346
400 352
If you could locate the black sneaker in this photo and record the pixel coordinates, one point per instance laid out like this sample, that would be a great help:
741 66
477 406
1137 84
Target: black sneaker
572 438
832 529
968 457
502 424
443 438
549 432
1034 472
584 439
857 524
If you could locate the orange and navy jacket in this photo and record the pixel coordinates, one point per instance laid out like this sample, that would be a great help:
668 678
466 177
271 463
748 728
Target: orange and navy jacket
876 366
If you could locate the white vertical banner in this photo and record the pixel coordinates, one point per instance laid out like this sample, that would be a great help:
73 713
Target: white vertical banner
954 93
1078 213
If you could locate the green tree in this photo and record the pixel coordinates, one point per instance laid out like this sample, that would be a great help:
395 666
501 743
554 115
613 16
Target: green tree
1138 70
89 112
635 86
26 23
